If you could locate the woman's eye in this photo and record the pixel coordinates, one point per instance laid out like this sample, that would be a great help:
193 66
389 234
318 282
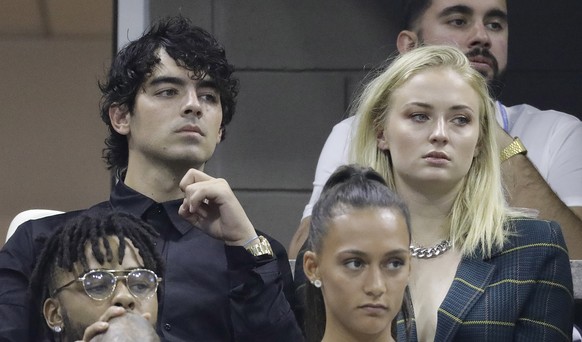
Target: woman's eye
461 120
354 264
394 264
419 117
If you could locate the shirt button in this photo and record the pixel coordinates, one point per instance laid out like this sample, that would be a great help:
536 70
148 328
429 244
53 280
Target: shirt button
167 327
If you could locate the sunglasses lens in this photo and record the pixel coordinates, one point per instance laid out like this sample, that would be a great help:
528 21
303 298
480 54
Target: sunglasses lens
98 285
142 283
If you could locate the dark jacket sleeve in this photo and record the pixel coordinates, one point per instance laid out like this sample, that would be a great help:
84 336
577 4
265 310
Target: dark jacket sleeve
19 319
549 313
260 308
16 264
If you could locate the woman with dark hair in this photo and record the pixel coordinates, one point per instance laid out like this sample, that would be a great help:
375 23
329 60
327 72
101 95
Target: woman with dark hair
358 260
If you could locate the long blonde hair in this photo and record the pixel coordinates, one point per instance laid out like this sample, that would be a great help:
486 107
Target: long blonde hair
479 212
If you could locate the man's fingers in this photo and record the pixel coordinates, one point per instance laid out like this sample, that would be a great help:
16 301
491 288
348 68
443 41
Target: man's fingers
193 176
195 200
112 311
94 330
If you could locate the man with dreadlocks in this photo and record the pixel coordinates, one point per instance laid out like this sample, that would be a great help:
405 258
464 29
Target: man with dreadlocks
95 268
166 102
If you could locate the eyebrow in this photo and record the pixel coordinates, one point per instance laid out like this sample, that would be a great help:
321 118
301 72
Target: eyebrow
399 251
114 270
359 253
204 83
166 79
428 106
419 104
462 9
496 13
207 83
458 107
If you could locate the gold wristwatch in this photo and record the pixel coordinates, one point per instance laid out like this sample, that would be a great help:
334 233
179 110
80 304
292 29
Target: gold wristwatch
261 248
516 147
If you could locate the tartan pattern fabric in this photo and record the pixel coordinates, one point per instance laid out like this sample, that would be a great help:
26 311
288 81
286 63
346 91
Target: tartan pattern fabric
522 293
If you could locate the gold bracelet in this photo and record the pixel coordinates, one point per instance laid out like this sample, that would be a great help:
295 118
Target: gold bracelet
516 147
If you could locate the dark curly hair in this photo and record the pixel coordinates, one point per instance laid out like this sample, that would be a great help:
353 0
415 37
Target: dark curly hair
191 47
66 247
412 11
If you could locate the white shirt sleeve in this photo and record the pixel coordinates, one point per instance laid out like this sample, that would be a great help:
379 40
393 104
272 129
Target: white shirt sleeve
333 155
554 145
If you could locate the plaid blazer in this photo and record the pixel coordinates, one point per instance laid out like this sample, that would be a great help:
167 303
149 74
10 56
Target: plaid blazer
522 293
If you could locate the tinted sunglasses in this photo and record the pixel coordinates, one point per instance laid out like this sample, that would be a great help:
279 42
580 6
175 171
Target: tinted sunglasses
100 284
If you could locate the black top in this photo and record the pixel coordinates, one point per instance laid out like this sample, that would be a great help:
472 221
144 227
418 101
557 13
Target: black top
212 292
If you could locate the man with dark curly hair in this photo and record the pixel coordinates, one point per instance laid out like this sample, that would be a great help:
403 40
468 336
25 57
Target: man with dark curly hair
167 100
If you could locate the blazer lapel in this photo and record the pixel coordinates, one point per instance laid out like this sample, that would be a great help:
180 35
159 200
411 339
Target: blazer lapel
472 276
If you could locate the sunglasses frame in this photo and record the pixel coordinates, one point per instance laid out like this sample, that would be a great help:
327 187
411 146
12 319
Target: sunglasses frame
82 278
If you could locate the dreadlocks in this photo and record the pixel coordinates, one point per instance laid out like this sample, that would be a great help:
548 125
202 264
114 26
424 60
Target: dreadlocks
67 246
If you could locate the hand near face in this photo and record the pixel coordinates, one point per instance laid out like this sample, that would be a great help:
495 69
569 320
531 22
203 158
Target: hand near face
210 205
102 324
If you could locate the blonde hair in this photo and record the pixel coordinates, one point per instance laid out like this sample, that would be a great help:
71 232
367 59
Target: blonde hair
475 223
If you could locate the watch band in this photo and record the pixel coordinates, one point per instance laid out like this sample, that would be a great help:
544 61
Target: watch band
263 247
516 147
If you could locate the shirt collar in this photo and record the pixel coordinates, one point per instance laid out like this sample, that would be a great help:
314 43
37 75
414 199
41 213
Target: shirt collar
135 203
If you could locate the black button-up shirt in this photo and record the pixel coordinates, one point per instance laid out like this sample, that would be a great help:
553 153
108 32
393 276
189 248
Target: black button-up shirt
211 292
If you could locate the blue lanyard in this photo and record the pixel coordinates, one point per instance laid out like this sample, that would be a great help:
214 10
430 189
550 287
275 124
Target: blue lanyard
503 113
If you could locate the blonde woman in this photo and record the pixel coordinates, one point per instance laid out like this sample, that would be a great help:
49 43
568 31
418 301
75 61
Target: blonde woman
480 271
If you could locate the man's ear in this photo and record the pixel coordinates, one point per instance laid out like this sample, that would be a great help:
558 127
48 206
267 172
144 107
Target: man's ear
120 118
220 133
51 310
310 265
381 141
406 41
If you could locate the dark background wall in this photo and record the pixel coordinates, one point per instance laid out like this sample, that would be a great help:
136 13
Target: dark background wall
53 53
300 61
545 55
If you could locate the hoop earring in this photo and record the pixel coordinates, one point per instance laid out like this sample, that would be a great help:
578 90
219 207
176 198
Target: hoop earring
316 283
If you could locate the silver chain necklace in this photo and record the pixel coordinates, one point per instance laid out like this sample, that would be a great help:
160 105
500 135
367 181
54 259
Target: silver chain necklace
430 252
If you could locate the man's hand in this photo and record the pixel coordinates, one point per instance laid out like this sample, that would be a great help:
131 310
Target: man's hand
210 205
102 324
120 324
